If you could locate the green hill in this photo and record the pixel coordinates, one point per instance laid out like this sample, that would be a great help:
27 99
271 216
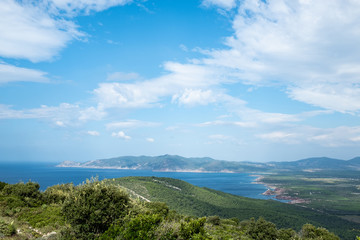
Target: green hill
196 201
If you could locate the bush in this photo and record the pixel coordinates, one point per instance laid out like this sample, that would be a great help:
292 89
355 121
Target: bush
215 220
92 208
141 227
261 229
6 229
194 227
309 231
58 193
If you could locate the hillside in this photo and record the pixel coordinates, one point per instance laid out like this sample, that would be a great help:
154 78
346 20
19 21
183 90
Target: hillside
177 163
191 200
104 210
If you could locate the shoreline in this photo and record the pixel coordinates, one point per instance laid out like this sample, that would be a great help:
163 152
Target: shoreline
278 192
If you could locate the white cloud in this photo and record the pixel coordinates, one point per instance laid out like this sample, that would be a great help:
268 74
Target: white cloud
121 134
38 30
93 133
195 97
27 31
131 124
151 140
309 47
279 136
9 73
152 92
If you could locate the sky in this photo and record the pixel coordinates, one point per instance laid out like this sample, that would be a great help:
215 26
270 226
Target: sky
249 80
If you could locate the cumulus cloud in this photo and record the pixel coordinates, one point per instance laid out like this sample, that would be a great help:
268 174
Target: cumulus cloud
120 134
309 47
152 92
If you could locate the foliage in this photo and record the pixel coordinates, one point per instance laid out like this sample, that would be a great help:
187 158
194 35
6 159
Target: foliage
309 231
58 193
6 229
49 216
261 229
92 207
102 210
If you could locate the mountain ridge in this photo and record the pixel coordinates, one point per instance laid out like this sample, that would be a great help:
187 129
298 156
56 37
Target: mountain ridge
176 163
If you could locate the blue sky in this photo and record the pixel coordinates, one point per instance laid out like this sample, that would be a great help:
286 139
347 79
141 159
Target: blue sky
233 80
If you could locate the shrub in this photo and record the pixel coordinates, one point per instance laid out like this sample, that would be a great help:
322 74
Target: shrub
192 228
92 208
261 229
309 231
215 220
7 229
141 227
58 193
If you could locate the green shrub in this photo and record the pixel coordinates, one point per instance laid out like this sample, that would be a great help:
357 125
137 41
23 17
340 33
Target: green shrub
192 228
215 220
261 229
7 229
92 208
141 227
58 193
309 231
2 185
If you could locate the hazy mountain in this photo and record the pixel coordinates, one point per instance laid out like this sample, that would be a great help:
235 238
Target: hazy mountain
182 164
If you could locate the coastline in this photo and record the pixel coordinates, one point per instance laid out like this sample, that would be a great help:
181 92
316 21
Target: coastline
278 192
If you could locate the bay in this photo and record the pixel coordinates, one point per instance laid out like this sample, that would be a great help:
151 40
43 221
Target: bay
48 175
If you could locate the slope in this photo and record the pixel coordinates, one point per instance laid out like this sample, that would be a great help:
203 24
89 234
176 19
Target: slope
191 200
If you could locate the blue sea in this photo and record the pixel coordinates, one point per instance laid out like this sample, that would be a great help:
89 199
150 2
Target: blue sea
47 175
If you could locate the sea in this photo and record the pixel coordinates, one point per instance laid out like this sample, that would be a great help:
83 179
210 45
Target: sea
47 175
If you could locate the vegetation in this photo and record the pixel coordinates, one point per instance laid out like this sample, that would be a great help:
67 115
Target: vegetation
103 210
335 192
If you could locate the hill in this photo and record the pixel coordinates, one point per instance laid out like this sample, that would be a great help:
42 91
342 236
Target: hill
196 201
104 210
175 163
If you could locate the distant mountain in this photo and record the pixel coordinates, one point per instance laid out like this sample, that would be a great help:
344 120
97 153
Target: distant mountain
175 163
320 163
170 163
